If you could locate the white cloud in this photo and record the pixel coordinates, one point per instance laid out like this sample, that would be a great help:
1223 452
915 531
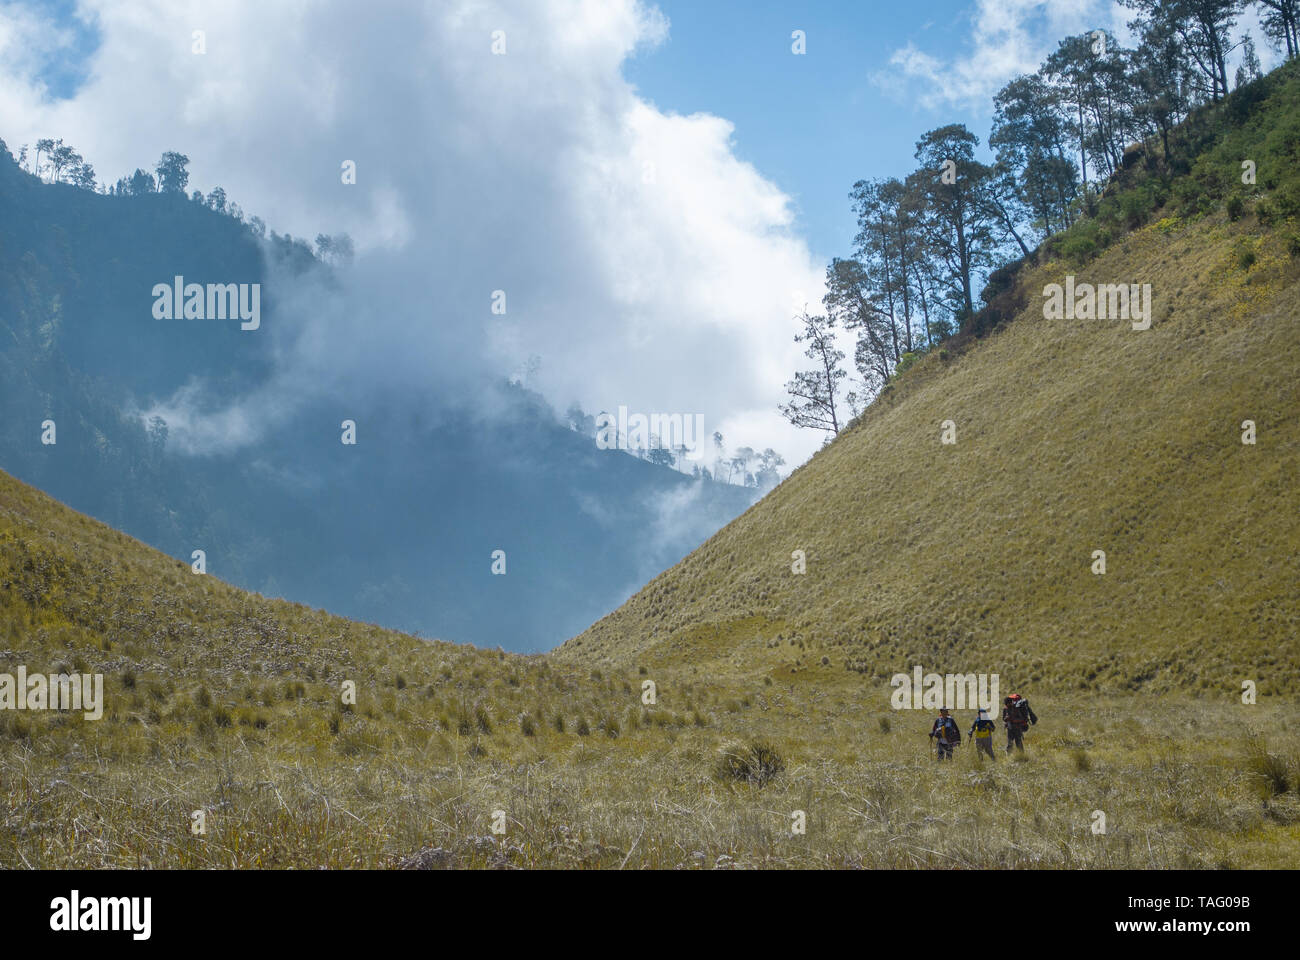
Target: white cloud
1008 38
642 260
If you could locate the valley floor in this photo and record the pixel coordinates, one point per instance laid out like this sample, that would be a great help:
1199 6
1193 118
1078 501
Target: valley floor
297 783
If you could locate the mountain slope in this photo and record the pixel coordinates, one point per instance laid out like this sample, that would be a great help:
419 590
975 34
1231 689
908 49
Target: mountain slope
1072 437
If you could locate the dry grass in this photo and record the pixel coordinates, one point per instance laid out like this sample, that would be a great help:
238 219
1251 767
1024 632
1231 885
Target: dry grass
1071 437
229 704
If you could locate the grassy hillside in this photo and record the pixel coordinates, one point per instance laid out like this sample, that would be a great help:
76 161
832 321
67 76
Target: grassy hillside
1072 436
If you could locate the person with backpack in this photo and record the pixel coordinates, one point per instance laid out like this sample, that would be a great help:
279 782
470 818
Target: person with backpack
981 734
1016 717
945 734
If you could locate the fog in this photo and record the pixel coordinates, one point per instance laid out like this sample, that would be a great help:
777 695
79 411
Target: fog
641 261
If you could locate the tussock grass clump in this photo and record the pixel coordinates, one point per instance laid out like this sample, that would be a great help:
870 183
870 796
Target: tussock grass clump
1270 772
757 763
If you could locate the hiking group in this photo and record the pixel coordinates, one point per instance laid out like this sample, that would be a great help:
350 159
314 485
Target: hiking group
1016 717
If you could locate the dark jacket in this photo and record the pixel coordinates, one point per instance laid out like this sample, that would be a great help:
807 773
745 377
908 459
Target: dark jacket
954 732
1014 718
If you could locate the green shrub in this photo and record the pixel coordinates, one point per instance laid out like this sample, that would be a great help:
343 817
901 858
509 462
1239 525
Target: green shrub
906 362
1187 195
1135 207
1288 199
1079 248
1084 241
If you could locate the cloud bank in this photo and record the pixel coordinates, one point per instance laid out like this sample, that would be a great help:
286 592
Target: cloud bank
640 259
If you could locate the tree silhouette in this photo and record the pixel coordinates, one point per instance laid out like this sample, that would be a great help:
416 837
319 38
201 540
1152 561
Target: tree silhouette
173 177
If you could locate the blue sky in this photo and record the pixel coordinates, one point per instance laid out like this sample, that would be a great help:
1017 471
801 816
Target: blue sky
815 123
847 109
64 57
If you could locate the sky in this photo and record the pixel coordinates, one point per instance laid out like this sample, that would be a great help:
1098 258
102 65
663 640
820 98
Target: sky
655 187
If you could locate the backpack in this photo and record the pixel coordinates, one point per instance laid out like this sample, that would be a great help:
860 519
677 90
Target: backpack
1020 712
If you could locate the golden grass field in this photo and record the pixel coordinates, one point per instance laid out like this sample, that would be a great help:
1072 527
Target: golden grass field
227 703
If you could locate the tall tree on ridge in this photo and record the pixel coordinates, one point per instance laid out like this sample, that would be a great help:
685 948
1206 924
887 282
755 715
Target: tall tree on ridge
958 222
1205 28
814 400
1029 135
1281 22
173 176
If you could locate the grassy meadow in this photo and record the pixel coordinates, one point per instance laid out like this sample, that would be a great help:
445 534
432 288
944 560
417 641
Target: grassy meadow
229 704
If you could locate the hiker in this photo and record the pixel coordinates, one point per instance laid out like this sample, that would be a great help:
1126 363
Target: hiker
981 733
945 734
1016 717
